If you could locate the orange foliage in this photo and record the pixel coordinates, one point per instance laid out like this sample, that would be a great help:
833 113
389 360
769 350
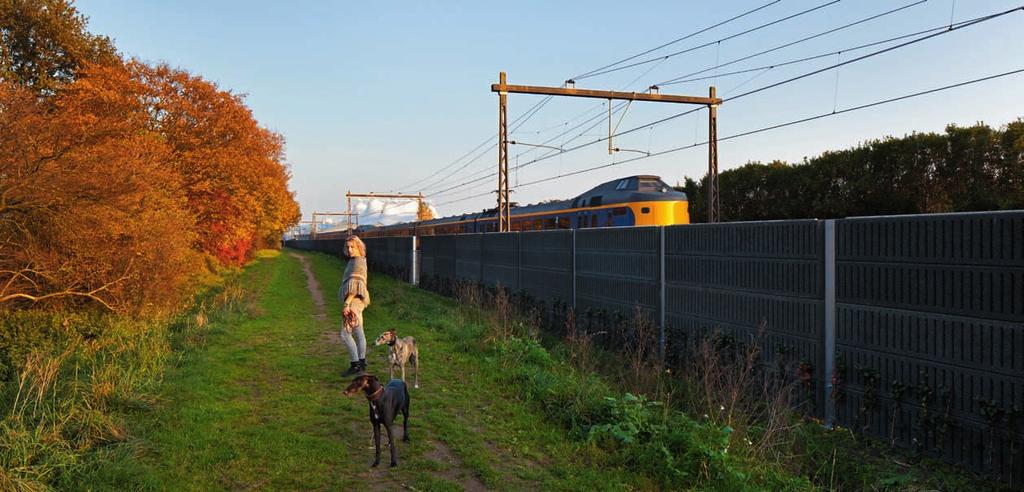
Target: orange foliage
87 209
231 168
110 188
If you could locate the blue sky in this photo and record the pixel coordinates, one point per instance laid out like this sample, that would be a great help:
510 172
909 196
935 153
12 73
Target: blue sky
374 96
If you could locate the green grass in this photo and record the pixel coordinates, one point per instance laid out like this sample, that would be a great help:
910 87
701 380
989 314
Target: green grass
254 402
257 404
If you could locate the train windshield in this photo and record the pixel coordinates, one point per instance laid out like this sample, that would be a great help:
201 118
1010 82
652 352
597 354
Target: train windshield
653 184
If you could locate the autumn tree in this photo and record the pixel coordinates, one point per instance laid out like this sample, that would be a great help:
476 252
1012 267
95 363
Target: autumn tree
423 211
43 43
232 169
115 179
87 211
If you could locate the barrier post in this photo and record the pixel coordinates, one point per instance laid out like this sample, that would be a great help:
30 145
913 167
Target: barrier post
572 252
830 320
414 271
661 294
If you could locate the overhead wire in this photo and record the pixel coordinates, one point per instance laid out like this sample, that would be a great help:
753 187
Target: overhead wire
794 43
543 144
670 43
602 105
518 166
763 129
956 27
597 119
807 58
962 25
710 43
860 21
615 110
529 114
700 31
529 111
959 26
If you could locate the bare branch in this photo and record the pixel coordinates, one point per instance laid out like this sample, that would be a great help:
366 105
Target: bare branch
20 295
92 294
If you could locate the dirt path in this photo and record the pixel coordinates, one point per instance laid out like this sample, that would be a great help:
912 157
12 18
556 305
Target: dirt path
330 338
447 466
312 285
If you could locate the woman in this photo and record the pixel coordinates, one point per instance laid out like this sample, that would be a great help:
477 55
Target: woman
354 297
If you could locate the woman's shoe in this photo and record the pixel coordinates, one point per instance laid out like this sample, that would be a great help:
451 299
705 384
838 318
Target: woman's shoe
362 365
353 369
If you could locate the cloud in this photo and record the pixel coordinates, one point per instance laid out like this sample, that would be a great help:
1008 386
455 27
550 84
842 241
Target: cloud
374 211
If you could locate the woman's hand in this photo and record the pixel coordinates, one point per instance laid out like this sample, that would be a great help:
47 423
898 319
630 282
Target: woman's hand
345 311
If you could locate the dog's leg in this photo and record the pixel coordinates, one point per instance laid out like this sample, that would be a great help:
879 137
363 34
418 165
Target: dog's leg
376 443
403 372
391 443
405 416
416 365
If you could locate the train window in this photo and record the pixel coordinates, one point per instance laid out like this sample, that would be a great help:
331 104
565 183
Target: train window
619 211
653 184
549 223
623 183
645 210
575 202
611 220
593 220
538 225
595 201
563 223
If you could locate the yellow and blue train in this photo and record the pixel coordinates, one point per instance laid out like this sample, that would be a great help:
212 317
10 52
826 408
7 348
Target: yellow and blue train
642 200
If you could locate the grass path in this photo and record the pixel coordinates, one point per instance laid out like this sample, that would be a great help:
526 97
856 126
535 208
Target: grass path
259 407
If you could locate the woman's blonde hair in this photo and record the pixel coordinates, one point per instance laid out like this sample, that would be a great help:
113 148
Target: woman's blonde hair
360 245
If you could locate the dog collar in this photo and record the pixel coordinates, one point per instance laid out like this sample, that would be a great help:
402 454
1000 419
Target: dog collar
376 394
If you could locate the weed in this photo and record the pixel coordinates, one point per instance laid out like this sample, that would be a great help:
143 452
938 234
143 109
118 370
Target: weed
644 370
503 315
581 346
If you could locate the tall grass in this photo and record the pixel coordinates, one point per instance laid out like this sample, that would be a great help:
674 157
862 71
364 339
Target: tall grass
67 379
728 419
620 406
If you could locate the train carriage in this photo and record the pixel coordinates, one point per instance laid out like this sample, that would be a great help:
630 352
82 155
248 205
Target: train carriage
642 200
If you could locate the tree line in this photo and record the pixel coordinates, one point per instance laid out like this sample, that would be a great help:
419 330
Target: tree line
121 180
963 169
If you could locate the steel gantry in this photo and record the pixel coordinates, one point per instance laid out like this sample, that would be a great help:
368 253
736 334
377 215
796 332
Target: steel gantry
296 229
503 89
315 222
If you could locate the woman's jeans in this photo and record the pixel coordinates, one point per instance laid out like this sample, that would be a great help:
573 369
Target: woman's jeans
355 342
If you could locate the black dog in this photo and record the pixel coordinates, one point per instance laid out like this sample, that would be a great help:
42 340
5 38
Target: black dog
385 403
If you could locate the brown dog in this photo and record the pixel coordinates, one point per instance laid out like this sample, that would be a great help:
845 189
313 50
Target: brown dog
385 403
402 351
